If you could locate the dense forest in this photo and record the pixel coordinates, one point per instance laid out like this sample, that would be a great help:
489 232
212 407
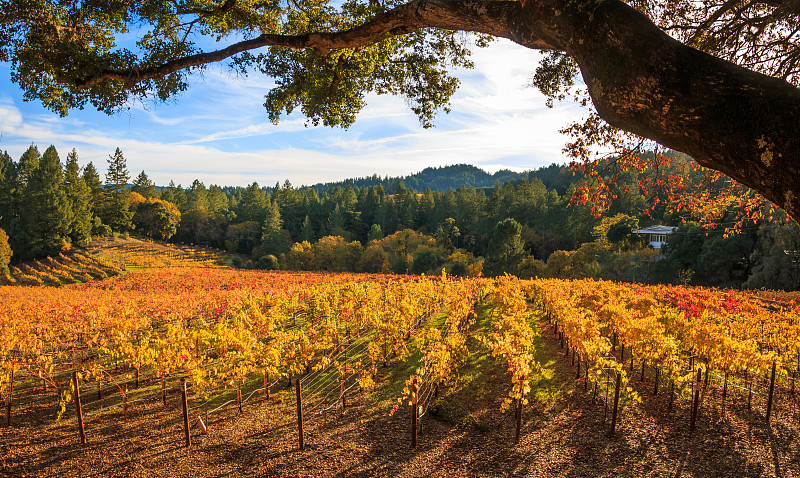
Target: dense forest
465 221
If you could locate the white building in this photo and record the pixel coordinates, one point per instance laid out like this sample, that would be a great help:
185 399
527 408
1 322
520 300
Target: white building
656 236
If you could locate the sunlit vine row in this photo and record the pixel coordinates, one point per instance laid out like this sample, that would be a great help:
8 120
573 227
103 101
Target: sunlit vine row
512 337
442 344
564 304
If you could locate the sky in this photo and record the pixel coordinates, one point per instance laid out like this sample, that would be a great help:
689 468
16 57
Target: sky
218 131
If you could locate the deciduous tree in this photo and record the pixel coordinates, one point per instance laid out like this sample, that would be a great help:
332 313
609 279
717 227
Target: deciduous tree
5 253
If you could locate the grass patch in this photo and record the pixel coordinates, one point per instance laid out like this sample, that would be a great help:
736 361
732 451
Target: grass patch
547 385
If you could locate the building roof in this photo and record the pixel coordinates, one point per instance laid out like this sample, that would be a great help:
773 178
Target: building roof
656 230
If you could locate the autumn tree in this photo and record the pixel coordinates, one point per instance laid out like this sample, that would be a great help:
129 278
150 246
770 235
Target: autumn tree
154 217
5 253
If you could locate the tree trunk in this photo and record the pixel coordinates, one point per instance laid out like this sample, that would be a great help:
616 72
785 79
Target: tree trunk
728 118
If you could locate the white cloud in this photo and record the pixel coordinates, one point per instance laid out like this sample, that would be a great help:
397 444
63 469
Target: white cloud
218 131
10 116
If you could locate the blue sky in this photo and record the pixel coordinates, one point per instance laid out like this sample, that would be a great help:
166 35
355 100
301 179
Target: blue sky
218 130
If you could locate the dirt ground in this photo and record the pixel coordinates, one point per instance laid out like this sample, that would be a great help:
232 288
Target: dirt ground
563 434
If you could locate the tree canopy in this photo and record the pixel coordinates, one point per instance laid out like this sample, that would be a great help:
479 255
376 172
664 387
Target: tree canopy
716 79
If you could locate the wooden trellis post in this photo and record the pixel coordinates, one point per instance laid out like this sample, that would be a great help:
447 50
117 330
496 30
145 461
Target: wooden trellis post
78 408
300 437
696 401
771 392
519 411
414 394
616 404
184 400
10 398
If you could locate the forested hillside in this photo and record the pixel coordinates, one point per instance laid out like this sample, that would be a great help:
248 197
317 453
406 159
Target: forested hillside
436 179
465 221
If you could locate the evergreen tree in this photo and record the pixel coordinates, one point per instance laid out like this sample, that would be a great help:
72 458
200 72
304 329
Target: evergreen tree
253 205
144 186
92 180
336 222
116 211
372 202
424 214
8 189
79 197
505 248
14 192
274 239
307 230
28 163
98 199
47 216
176 195
197 196
218 201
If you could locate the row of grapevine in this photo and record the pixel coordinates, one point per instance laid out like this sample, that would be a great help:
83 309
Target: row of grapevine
678 333
288 334
75 267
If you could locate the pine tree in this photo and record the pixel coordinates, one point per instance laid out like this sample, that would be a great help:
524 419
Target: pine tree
28 163
274 239
14 191
97 201
176 195
307 230
253 205
197 195
92 180
144 186
79 197
217 200
47 215
8 189
116 211
336 221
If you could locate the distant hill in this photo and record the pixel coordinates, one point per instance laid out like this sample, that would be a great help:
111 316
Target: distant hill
437 179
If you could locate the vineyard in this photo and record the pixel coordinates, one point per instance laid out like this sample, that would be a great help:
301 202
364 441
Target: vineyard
397 375
107 258
66 268
136 253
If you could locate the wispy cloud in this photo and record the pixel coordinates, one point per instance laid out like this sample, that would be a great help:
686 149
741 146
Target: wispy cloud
218 131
